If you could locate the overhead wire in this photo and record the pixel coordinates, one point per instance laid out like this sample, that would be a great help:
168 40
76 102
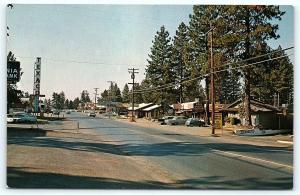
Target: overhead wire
172 84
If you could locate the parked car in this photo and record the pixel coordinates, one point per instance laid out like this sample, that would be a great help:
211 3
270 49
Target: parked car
68 112
165 119
56 112
194 122
10 118
177 120
23 117
93 114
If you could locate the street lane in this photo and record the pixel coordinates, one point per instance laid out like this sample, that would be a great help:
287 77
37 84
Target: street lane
198 162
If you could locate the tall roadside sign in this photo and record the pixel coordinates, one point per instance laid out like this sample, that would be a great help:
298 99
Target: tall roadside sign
13 71
36 85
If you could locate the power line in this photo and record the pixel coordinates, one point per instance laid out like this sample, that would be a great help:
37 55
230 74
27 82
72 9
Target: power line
78 62
119 64
252 58
172 84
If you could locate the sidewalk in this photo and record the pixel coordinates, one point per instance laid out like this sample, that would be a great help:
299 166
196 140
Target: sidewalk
224 135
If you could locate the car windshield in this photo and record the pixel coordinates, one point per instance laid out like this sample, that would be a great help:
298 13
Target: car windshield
19 115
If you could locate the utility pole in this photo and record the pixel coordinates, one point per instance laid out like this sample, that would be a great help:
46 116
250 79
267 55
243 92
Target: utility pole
132 71
212 68
110 97
96 94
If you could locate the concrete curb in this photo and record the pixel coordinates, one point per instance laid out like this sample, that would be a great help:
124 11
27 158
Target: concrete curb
285 142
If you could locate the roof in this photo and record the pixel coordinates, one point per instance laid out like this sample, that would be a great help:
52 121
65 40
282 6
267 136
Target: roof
141 106
152 107
134 108
256 106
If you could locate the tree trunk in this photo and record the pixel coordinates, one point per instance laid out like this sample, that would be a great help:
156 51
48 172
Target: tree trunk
247 99
207 101
247 74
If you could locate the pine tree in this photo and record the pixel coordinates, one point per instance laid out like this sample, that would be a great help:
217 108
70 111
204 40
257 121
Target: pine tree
125 94
117 93
67 103
198 54
160 70
252 27
179 50
71 105
138 97
104 96
274 79
147 96
239 32
76 102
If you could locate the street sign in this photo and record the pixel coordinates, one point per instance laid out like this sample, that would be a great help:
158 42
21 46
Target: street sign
218 120
13 71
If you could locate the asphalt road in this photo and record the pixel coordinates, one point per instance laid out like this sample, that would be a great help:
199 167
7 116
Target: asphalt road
198 162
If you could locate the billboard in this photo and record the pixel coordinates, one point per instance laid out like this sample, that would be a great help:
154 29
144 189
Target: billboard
13 71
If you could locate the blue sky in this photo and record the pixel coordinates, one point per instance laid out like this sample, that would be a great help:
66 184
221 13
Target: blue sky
117 37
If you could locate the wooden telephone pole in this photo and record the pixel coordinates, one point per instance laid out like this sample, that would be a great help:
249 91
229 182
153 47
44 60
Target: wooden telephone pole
110 98
96 94
133 71
212 84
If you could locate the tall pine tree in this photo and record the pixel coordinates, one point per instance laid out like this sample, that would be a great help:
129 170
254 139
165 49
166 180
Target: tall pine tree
125 94
159 71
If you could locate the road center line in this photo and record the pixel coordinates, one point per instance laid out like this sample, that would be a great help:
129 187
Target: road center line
252 158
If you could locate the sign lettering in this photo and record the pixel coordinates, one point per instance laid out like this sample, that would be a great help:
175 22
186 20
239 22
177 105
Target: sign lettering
13 71
37 76
218 121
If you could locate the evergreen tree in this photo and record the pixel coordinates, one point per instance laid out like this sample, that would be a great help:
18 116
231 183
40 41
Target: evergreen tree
116 93
198 54
62 99
147 96
71 105
239 32
282 75
76 102
138 97
125 94
228 87
179 52
67 104
104 96
85 97
274 80
252 27
159 71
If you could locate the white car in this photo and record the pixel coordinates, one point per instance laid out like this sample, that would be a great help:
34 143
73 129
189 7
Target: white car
93 114
10 118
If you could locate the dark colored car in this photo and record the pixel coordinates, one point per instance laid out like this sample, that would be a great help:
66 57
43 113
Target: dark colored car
177 120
